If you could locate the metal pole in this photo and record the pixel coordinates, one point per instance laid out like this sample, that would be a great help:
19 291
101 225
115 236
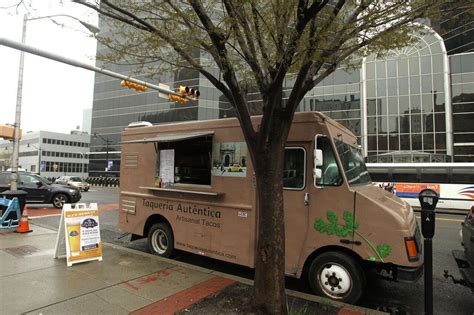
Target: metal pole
19 92
106 155
39 161
38 52
83 158
428 257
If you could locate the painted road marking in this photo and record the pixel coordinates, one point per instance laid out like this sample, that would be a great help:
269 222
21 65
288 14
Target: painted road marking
44 216
444 219
37 213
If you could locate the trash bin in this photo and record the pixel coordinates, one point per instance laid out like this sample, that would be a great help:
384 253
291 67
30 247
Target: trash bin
10 194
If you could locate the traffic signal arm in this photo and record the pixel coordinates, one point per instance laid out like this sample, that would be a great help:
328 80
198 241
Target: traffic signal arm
135 86
176 98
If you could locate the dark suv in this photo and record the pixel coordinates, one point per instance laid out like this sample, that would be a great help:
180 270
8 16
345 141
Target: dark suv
40 190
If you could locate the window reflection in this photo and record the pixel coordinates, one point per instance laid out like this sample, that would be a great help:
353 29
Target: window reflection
414 65
415 84
405 142
403 67
380 66
393 143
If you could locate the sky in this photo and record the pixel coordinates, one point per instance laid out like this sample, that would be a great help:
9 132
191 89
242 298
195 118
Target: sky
54 94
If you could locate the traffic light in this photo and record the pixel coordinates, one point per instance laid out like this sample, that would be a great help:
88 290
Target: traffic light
187 91
134 86
176 98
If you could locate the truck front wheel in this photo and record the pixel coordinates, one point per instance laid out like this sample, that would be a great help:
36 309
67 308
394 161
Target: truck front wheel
160 240
337 276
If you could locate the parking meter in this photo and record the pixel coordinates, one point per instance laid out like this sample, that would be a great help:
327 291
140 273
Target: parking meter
428 200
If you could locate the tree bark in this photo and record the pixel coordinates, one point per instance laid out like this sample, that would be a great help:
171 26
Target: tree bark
269 295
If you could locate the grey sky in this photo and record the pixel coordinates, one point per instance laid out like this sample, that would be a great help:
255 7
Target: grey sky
54 94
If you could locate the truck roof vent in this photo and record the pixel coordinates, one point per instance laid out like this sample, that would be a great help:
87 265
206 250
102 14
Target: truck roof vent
139 124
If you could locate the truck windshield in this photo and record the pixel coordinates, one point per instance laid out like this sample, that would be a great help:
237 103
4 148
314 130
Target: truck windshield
353 163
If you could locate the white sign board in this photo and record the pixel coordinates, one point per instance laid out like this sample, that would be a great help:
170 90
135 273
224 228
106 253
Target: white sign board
79 230
167 166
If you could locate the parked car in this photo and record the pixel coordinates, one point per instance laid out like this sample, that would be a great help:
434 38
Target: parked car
40 190
235 168
73 181
465 259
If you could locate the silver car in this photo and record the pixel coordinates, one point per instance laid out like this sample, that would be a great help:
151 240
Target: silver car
73 181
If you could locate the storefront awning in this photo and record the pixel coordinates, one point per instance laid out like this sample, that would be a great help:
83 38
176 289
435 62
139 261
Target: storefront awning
168 137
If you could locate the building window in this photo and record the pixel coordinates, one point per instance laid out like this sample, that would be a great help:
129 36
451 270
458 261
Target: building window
407 87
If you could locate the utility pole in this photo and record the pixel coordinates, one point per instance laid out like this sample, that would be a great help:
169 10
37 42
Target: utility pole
107 142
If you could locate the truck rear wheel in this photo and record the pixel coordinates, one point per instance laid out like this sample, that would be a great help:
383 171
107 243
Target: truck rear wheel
160 240
337 276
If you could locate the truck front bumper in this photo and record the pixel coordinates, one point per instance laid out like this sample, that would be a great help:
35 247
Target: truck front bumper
407 274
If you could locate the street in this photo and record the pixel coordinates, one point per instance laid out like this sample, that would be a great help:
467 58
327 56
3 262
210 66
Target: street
396 298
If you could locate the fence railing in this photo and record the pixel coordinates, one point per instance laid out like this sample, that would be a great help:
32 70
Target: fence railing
97 181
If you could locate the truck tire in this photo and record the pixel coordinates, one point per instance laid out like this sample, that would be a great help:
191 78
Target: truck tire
337 276
160 240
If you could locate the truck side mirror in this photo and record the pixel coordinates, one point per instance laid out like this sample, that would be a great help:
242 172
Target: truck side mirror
317 173
317 161
318 157
428 200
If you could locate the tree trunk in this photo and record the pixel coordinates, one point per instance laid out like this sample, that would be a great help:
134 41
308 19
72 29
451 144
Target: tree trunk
269 295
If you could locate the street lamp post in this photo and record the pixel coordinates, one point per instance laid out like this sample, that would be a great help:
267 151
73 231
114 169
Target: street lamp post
39 155
82 163
107 142
16 141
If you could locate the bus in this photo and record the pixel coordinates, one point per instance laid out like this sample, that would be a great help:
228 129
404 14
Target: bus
454 182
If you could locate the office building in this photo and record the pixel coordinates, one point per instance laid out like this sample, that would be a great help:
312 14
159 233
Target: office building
52 154
414 105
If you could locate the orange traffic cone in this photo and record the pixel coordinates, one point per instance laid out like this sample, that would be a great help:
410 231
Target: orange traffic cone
24 227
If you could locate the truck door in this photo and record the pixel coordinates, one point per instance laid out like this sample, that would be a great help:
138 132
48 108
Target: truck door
332 203
295 189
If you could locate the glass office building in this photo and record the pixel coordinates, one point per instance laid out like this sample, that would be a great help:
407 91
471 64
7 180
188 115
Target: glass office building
418 99
462 100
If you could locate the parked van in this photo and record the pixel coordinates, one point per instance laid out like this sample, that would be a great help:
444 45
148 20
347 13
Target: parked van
177 190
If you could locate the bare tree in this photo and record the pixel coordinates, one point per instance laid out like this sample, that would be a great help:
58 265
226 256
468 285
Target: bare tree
258 44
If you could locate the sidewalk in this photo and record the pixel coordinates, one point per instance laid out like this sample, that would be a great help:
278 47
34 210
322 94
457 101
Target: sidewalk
126 281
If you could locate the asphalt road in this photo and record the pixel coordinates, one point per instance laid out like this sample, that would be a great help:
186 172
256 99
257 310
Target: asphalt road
393 297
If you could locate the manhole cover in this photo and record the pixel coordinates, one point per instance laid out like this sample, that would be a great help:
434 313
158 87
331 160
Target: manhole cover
21 251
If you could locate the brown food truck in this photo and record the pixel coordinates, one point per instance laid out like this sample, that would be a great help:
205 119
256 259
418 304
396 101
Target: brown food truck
190 186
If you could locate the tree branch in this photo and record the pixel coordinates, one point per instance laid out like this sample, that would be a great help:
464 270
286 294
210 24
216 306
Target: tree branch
237 97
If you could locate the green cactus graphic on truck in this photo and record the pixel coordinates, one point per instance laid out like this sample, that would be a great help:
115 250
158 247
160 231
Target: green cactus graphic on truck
350 228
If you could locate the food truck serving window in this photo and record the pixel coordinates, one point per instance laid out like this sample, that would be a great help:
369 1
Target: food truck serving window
185 161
